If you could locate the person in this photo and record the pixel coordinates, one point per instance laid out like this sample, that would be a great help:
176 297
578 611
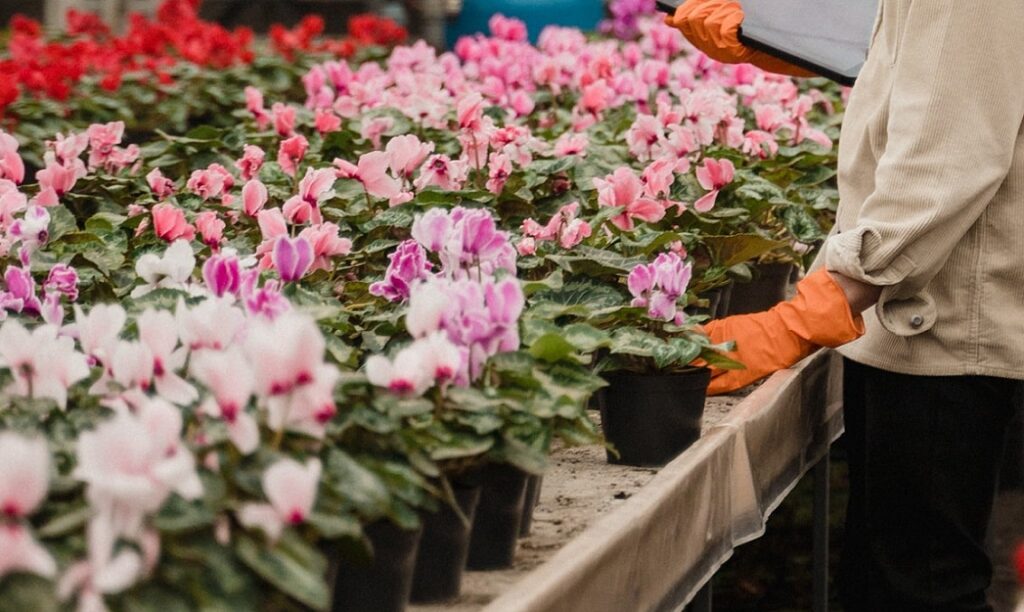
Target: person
920 285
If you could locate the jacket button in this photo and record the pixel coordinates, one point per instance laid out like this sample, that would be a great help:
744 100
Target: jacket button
916 321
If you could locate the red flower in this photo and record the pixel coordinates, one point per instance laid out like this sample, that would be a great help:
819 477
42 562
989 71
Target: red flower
26 26
1019 561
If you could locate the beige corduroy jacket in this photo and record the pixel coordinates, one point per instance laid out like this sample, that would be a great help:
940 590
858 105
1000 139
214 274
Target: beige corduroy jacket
931 181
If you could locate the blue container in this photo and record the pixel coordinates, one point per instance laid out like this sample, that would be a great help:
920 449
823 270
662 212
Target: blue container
582 14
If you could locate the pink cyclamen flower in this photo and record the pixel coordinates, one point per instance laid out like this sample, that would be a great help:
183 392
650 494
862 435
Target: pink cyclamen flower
291 152
211 182
68 148
161 186
431 228
169 223
326 121
43 364
251 162
624 188
373 174
659 285
254 197
571 144
254 104
506 28
62 279
406 154
212 324
522 103
158 331
58 177
443 172
291 489
315 186
103 141
292 257
12 202
99 330
24 480
211 228
222 274
407 375
408 264
326 243
33 228
20 295
285 353
470 111
11 166
713 175
375 127
266 301
658 177
131 464
644 137
499 169
284 119
563 227
229 378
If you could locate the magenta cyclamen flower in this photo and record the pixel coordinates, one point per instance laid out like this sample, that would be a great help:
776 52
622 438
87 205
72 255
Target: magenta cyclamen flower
222 274
292 257
480 319
408 265
62 279
658 286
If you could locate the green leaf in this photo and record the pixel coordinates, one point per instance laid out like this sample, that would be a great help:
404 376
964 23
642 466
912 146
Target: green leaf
361 487
551 348
581 298
586 338
180 515
729 251
555 280
66 523
335 526
284 572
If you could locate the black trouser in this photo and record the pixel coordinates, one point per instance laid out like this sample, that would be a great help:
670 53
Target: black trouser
924 456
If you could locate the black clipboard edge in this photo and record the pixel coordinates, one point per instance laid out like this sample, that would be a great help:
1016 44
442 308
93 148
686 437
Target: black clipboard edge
797 61
665 7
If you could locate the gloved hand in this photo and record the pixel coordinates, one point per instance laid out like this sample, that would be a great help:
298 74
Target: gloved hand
773 340
713 27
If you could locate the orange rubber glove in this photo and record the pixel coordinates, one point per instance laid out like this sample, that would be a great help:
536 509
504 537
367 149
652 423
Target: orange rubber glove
776 339
713 27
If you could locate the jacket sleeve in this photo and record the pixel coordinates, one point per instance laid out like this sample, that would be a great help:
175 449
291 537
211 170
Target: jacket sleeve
955 114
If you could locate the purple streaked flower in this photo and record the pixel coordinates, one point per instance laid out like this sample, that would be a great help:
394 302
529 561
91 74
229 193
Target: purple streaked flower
408 265
292 257
222 274
21 287
63 279
658 286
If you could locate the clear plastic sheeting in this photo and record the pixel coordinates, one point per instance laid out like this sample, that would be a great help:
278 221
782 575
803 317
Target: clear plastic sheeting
656 551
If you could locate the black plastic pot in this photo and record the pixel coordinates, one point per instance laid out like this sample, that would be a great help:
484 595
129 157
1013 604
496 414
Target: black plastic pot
533 486
724 301
443 549
651 418
384 584
768 288
492 545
